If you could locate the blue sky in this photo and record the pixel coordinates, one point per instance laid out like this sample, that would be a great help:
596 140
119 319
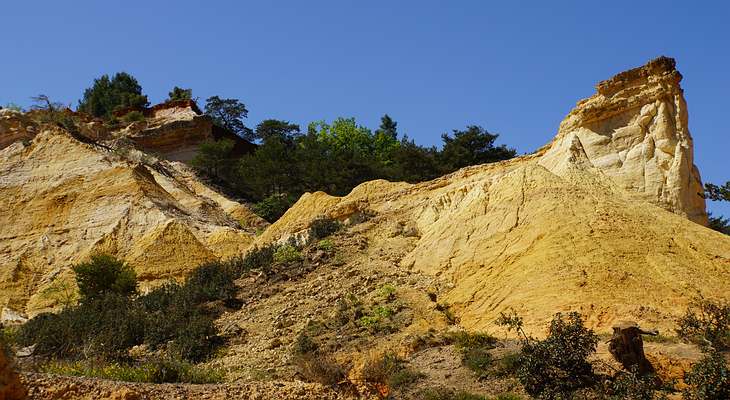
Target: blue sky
514 67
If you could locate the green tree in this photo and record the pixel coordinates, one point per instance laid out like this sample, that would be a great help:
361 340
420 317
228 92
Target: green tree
719 224
413 163
274 128
471 147
717 193
388 127
107 95
229 114
214 157
271 170
104 274
179 93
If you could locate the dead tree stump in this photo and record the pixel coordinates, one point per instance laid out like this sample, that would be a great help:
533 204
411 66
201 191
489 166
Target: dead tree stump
627 347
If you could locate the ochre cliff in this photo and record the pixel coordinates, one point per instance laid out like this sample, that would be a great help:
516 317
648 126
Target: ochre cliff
599 221
62 199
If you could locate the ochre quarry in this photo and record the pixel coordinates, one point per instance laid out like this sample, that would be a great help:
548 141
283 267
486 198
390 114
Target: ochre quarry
607 219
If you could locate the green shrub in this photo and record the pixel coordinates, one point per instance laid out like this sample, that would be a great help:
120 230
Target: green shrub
507 365
323 227
325 245
133 116
557 366
104 274
103 327
387 292
633 386
109 322
176 322
211 281
706 322
287 254
273 207
378 319
474 349
255 258
709 379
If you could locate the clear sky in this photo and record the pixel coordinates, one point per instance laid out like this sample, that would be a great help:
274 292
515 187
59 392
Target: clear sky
514 67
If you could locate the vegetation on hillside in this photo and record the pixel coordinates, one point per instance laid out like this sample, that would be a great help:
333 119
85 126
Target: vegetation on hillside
107 95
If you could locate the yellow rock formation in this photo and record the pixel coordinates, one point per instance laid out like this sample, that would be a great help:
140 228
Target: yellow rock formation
62 200
598 221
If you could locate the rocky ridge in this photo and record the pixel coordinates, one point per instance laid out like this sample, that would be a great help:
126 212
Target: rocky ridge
599 221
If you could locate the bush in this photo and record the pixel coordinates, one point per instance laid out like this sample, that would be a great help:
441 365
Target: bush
378 319
108 322
555 367
133 116
255 258
104 274
323 227
709 379
474 348
706 322
273 207
320 368
632 386
287 254
211 281
325 245
176 320
103 327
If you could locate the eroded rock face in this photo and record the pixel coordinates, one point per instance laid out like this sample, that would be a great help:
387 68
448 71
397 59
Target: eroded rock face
14 127
634 129
573 227
173 130
63 200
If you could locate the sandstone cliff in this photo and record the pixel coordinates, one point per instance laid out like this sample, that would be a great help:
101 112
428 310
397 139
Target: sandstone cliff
63 199
599 220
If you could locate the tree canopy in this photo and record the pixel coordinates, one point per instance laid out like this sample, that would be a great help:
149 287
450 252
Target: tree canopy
178 93
107 95
337 156
471 147
229 114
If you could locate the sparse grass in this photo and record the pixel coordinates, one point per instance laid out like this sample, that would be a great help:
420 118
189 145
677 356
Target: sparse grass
660 339
449 394
506 366
320 368
161 371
